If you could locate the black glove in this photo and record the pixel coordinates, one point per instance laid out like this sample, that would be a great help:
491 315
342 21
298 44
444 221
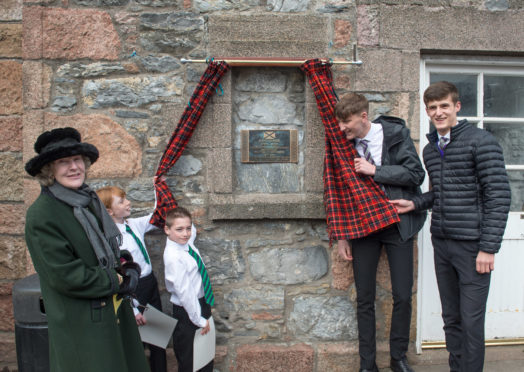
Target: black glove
130 272
126 255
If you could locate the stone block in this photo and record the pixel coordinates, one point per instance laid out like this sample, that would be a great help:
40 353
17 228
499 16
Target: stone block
341 271
214 128
338 357
260 206
381 71
8 352
410 71
13 262
274 358
314 170
11 40
342 33
6 308
323 317
12 217
315 134
11 133
33 32
11 10
10 88
120 153
31 191
37 84
288 265
133 91
255 298
268 35
368 27
33 126
11 169
220 171
422 28
69 34
223 258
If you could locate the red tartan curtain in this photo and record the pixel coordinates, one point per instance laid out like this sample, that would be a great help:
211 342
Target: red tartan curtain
206 87
355 205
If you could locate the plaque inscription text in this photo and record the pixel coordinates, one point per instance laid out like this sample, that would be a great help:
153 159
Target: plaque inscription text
270 146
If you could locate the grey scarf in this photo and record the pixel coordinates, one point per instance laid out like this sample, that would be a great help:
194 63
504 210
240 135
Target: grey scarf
105 243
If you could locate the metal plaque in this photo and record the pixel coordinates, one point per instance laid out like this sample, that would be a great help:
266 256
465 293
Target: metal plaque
270 146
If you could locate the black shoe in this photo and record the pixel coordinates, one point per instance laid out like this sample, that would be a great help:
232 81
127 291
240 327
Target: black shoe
374 369
401 365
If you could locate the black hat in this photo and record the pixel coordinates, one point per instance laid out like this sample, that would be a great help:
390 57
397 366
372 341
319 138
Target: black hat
57 144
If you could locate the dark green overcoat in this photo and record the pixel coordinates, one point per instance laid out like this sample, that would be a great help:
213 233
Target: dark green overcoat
85 334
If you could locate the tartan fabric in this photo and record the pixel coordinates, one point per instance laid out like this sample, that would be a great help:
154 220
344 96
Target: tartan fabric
206 87
355 205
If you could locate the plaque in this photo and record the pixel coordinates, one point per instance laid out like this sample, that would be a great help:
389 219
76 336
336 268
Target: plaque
270 146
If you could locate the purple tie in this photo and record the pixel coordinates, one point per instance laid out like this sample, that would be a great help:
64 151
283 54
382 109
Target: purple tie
367 154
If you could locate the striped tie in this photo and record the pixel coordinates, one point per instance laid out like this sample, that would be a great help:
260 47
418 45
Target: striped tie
442 143
367 154
208 292
139 243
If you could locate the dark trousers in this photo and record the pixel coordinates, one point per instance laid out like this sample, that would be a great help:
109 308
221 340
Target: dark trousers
366 254
184 335
463 294
147 293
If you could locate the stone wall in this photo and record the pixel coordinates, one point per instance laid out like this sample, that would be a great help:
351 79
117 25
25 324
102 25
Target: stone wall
112 69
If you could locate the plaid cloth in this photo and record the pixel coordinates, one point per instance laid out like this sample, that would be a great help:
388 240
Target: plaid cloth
206 87
355 205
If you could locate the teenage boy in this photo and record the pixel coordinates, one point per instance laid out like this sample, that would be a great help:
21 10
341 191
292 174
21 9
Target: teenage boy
388 155
470 199
188 283
133 231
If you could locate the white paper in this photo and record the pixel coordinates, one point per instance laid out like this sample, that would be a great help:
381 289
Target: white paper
204 347
158 328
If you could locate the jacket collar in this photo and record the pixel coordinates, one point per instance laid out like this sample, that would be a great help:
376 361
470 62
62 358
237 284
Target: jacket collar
455 131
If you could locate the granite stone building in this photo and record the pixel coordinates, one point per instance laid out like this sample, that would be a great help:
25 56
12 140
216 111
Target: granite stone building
284 301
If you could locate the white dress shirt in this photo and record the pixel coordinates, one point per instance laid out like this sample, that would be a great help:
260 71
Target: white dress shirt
183 280
375 139
140 227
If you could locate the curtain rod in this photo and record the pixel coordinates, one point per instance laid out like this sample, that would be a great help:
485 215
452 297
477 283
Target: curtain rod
268 61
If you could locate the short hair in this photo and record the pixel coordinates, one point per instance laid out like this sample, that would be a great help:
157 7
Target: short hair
351 104
440 90
46 175
177 212
105 194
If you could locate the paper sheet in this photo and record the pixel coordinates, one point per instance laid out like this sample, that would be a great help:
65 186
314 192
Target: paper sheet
158 328
204 347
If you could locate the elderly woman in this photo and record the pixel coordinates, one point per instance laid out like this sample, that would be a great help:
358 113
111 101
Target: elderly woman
74 246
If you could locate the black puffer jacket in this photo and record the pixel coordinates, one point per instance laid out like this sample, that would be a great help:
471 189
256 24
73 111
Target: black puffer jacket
401 172
470 194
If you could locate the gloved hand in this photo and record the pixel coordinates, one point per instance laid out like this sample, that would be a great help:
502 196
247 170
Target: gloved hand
130 272
125 256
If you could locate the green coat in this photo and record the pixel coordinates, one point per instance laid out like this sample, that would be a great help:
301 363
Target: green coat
84 332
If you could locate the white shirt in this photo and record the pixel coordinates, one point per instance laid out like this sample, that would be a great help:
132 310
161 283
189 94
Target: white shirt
140 227
375 139
183 280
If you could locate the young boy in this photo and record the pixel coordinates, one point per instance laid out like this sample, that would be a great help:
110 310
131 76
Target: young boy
188 283
133 231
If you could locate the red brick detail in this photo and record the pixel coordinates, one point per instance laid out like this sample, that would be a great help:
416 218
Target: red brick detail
6 307
10 88
12 217
274 358
55 33
342 33
11 133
